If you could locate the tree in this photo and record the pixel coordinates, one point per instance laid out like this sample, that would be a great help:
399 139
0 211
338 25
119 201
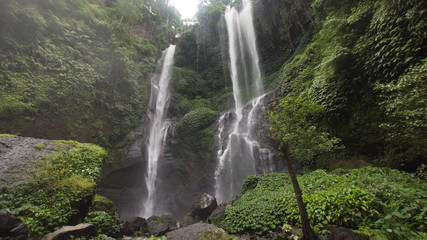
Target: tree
290 125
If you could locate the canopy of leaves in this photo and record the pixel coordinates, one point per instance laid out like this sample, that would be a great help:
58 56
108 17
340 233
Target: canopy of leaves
291 124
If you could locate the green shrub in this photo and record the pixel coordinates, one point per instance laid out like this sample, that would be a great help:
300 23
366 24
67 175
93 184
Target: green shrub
61 186
372 201
249 183
105 223
7 135
195 120
187 83
103 215
39 146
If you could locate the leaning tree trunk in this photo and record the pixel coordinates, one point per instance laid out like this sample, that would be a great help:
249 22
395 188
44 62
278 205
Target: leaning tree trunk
307 232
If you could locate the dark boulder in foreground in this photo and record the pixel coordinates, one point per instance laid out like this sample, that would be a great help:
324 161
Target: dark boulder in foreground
133 226
342 233
12 227
197 231
82 230
204 207
158 226
218 214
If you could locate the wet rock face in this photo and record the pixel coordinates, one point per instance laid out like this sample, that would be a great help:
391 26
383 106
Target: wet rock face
182 178
12 227
123 182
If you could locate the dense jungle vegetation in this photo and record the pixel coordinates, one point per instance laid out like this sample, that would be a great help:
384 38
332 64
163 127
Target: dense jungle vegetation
80 70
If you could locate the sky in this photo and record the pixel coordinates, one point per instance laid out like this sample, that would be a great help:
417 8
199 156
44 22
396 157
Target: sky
187 8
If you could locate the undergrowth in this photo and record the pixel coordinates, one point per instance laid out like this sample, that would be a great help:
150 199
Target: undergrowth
61 188
376 202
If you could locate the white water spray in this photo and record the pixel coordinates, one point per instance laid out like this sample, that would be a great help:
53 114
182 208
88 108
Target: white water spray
160 95
239 154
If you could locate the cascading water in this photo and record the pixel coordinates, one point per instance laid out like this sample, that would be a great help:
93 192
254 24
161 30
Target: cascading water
158 106
239 153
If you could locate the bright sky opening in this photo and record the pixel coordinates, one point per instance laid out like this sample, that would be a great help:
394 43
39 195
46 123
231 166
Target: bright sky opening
187 8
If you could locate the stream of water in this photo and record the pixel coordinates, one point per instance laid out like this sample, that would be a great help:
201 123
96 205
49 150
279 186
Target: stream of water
239 153
158 106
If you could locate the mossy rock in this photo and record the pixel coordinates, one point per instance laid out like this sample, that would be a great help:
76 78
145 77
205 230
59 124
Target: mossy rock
195 120
159 226
101 203
217 234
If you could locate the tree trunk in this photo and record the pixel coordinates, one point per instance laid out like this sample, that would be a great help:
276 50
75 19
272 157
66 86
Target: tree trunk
307 232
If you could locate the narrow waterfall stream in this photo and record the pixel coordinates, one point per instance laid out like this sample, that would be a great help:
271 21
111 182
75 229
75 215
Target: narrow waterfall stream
158 106
239 153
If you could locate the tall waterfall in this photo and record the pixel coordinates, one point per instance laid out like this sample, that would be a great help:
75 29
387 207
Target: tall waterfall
239 153
158 106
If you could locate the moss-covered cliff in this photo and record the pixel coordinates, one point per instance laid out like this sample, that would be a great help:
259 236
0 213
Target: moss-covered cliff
79 69
361 55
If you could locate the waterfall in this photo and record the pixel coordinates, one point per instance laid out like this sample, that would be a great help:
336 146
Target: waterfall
158 106
239 153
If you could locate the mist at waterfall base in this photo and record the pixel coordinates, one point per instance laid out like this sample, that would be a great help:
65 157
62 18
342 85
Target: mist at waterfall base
239 152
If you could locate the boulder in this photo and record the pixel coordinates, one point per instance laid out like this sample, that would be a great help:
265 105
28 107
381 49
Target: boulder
159 226
218 214
188 220
134 227
12 227
342 233
203 207
82 230
196 231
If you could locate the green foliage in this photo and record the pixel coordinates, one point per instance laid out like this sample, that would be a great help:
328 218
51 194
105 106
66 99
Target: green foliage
84 72
359 47
187 83
103 215
61 187
279 26
129 11
158 238
261 209
39 146
104 222
394 41
405 107
249 183
7 135
210 14
195 120
291 125
373 200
